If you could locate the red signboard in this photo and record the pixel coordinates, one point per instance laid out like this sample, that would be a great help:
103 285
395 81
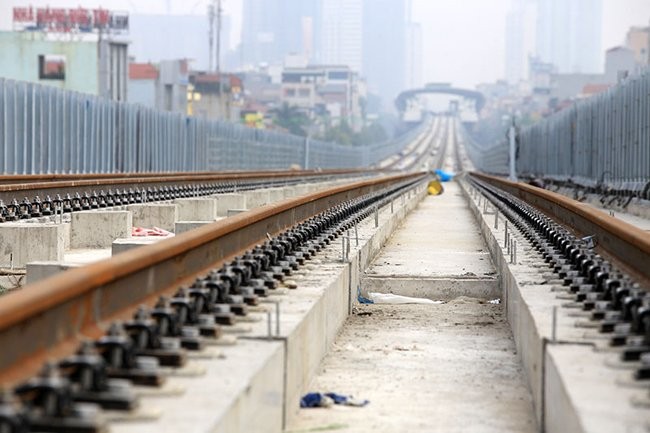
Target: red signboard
68 20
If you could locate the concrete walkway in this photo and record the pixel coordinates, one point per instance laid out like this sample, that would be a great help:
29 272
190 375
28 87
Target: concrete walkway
450 367
438 254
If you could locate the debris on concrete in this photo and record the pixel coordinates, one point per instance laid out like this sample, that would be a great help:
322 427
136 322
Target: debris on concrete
361 299
317 399
425 370
444 176
389 298
156 231
435 187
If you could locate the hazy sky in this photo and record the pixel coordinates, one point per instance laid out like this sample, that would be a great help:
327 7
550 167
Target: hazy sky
463 40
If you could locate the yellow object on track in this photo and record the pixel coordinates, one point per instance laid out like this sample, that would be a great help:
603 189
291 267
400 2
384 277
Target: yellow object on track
435 188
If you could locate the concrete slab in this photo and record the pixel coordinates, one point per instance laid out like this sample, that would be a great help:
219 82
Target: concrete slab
21 243
197 209
257 198
442 289
226 202
84 256
40 270
276 194
162 215
240 391
186 226
232 212
438 253
120 245
98 229
424 368
299 190
289 191
37 271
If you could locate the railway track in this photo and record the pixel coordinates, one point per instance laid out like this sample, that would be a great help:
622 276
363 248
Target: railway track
158 303
103 333
23 197
597 269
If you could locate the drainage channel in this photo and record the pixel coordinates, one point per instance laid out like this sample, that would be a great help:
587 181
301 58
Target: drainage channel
448 366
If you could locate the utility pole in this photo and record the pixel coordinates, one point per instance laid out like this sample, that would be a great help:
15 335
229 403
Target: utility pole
218 62
211 16
512 138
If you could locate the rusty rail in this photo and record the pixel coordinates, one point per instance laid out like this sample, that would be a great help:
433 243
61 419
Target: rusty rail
227 175
53 184
49 318
623 243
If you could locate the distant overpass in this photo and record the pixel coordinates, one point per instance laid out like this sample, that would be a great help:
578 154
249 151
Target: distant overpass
405 96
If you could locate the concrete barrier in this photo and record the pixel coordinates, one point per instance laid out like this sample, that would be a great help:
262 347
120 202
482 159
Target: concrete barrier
37 271
186 226
152 215
21 243
226 202
257 198
197 209
120 245
98 229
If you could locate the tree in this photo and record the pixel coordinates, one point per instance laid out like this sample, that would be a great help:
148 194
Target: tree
290 118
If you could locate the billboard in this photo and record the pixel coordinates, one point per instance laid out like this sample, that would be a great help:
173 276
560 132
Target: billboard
79 20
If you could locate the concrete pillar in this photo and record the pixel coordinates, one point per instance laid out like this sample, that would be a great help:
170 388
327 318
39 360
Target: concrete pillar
186 226
276 194
163 215
37 271
289 191
299 190
257 198
30 242
197 209
229 201
98 229
126 244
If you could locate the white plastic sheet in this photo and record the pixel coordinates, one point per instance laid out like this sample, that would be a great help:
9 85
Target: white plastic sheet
389 298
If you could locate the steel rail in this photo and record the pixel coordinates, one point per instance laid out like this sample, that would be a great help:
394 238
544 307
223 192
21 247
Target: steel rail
37 183
39 192
48 319
623 243
225 175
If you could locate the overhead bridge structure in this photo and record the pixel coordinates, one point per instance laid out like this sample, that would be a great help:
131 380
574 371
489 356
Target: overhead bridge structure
401 103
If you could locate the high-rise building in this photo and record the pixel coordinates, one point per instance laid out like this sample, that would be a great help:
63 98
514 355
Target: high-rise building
414 55
342 33
569 33
259 41
384 47
638 40
272 29
520 39
413 50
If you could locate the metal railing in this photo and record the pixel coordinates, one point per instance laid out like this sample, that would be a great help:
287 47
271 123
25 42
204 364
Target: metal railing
601 141
48 130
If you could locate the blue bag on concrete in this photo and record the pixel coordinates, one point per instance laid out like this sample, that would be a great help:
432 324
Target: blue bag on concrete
444 176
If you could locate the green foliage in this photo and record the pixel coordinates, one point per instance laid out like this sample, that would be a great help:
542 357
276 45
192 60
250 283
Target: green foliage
291 118
343 134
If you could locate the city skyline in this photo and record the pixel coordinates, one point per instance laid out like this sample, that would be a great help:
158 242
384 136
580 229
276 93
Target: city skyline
467 62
